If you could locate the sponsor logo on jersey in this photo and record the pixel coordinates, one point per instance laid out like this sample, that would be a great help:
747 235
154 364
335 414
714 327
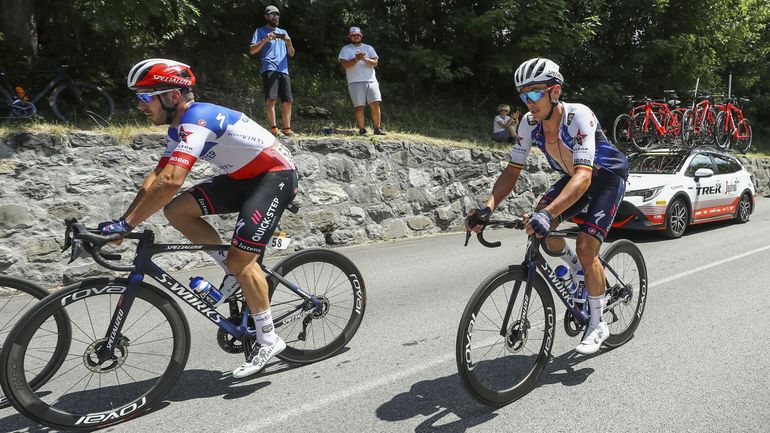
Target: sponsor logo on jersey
570 116
186 162
579 136
201 122
531 121
184 134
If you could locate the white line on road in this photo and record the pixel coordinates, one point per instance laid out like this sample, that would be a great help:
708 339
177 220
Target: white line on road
298 411
710 265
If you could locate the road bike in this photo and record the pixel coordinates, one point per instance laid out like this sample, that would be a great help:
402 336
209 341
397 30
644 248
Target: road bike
72 101
16 297
621 128
731 129
657 123
698 122
130 340
508 327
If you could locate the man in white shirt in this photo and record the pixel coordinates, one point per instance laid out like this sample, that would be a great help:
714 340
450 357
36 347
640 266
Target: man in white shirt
359 60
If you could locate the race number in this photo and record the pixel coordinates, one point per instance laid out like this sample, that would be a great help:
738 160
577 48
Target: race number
280 240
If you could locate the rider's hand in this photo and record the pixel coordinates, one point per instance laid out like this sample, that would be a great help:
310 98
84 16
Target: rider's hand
476 217
121 227
539 222
105 224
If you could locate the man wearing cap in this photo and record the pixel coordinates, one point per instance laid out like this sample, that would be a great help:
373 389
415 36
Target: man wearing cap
274 47
359 60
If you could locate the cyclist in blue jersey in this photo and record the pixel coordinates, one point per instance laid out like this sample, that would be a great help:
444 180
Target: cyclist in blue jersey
258 181
594 179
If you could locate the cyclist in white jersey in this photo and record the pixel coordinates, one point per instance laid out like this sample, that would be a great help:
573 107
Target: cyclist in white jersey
594 177
259 181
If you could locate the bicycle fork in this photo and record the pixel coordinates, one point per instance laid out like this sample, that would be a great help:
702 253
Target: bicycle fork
104 349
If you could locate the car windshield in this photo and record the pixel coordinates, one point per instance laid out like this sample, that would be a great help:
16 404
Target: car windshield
661 163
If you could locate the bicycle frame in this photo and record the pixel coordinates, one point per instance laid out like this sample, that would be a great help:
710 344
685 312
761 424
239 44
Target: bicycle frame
535 262
143 265
58 79
733 120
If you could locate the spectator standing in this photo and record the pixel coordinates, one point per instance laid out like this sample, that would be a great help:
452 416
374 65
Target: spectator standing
359 61
504 127
274 47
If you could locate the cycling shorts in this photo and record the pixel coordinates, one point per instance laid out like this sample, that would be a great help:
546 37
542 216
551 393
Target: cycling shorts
600 202
260 202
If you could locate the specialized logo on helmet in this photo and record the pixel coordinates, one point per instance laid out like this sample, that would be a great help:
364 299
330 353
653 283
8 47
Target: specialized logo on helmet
173 80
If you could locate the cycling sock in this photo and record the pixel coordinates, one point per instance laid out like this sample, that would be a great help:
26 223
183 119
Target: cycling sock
570 258
265 330
219 257
595 304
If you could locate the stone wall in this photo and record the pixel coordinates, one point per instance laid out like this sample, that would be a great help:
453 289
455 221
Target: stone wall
351 191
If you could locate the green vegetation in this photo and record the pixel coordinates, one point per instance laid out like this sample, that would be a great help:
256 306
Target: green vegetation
445 65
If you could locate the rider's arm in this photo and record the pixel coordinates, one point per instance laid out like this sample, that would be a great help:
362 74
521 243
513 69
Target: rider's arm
148 181
503 186
162 189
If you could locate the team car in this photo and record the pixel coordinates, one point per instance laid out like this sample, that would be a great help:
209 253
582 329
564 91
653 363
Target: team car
669 190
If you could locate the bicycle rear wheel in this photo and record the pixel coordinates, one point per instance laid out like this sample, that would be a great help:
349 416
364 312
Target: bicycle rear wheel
86 393
337 282
626 278
16 297
499 369
723 131
82 104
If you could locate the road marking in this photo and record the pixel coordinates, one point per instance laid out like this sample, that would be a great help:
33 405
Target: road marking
298 411
710 265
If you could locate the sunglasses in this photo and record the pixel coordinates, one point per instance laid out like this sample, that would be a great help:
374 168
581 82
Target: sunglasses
278 14
147 96
533 95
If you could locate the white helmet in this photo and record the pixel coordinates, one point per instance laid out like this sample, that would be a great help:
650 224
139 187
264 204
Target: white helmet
536 71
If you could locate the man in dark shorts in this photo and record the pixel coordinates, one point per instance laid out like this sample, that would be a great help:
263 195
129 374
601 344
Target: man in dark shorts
274 47
594 176
258 182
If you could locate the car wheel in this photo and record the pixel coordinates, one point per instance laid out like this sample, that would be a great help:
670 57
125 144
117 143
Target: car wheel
743 212
677 218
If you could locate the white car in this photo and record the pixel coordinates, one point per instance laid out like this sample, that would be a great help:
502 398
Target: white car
669 190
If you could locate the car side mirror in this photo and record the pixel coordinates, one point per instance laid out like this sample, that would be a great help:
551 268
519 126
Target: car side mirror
703 172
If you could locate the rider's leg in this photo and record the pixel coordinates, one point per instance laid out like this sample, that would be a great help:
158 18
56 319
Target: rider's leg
185 215
243 265
588 253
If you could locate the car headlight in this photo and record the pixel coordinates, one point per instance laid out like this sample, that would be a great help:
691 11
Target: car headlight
645 194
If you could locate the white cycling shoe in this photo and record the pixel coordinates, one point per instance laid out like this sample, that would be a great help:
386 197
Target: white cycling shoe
258 361
594 337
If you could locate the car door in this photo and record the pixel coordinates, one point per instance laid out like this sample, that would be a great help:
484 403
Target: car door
727 174
709 193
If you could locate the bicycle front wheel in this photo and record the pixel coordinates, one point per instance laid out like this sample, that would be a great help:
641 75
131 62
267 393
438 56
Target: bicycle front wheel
337 283
743 136
498 369
643 133
625 273
16 297
621 133
87 392
82 104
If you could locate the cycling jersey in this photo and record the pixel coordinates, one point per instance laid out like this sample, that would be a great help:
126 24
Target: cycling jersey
240 147
579 134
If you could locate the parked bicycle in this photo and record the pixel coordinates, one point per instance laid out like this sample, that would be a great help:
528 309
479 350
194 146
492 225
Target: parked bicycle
72 101
731 129
698 122
16 297
131 340
657 123
508 327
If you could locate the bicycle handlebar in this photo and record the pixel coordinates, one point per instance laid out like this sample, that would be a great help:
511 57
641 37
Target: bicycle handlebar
515 224
80 238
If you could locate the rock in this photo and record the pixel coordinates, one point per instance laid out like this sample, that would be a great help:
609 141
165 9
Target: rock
419 222
395 229
15 216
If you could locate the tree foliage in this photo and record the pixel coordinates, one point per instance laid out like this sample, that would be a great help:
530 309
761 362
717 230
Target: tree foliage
432 48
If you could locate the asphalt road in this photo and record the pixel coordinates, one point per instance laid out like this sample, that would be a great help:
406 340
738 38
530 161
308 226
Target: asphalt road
698 362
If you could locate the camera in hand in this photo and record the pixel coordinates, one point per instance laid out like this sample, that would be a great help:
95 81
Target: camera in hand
280 36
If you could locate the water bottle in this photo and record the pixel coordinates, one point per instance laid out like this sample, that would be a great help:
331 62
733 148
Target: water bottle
205 289
564 274
21 93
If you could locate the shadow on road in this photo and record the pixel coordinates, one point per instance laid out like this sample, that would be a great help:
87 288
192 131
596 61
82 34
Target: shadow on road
449 408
